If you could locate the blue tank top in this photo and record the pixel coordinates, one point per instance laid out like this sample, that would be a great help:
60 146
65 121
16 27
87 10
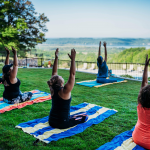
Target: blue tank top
102 70
11 90
60 110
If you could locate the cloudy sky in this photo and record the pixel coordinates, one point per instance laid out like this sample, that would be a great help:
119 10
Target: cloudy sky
96 18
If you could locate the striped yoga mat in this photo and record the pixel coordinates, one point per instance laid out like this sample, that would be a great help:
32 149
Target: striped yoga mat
38 96
122 141
93 83
41 130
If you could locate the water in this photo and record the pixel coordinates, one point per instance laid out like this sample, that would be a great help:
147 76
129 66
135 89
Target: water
120 46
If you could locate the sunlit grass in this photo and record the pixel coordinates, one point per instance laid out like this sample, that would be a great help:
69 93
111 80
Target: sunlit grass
122 97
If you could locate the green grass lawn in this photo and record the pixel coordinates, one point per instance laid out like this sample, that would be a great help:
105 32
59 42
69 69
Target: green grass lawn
122 97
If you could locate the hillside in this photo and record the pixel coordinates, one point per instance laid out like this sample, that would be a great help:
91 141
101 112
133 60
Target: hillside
132 55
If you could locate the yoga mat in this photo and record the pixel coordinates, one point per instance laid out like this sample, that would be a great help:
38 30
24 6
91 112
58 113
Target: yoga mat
1 74
122 141
93 83
41 130
38 96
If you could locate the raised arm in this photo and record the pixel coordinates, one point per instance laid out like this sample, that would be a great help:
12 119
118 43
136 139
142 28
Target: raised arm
105 51
70 83
145 73
99 51
7 56
15 65
54 71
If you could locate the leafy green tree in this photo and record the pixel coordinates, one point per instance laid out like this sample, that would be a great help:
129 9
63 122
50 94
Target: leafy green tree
20 25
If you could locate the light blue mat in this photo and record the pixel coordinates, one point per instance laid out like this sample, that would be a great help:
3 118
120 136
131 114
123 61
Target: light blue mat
122 141
40 128
93 83
1 74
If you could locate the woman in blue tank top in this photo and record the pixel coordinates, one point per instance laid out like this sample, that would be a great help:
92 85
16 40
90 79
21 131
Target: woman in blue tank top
61 97
102 67
12 93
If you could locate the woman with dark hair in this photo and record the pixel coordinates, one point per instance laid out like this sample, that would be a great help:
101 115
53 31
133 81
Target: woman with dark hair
102 67
61 97
141 133
12 93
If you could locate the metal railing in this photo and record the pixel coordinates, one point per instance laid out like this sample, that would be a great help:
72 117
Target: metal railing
118 69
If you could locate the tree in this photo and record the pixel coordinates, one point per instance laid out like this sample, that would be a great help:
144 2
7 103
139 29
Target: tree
20 25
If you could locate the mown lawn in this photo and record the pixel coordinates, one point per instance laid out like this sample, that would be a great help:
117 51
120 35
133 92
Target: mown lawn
122 97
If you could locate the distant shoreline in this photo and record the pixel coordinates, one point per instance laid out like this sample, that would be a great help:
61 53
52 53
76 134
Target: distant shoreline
89 45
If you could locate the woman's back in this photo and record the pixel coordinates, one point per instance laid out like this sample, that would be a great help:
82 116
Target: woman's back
141 134
102 70
60 108
11 90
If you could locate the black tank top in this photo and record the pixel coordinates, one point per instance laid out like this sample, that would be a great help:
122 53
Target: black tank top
60 110
11 90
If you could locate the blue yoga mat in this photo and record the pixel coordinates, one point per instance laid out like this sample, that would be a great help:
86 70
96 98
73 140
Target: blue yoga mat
118 141
93 83
1 74
40 128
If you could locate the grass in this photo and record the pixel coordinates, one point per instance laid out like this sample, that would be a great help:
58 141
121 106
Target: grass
126 76
122 97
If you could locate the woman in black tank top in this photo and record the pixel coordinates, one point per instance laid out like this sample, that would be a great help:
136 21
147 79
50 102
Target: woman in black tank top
61 97
12 93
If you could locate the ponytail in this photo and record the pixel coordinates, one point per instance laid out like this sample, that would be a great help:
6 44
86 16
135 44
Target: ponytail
5 76
54 83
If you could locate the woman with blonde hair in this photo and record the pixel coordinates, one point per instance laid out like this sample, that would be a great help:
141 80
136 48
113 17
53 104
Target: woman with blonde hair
61 97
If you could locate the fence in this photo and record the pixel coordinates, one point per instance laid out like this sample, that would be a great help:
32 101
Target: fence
131 70
119 69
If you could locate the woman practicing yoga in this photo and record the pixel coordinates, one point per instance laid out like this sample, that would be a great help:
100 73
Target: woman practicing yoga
61 97
102 67
12 93
141 133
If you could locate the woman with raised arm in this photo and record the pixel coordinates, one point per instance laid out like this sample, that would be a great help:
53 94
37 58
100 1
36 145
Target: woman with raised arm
141 133
102 67
12 93
61 97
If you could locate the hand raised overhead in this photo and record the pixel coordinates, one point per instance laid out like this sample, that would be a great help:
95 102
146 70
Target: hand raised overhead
104 44
56 53
7 50
14 51
73 54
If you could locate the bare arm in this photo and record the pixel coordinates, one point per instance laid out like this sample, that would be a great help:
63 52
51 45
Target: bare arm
70 84
7 56
15 65
99 51
145 76
145 73
54 71
105 51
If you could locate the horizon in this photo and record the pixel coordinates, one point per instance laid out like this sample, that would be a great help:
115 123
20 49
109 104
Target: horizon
98 37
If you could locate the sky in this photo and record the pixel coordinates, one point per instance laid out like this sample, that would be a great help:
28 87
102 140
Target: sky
96 18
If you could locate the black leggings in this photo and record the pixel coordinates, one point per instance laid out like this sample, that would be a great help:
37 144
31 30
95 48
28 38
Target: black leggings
70 122
21 98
